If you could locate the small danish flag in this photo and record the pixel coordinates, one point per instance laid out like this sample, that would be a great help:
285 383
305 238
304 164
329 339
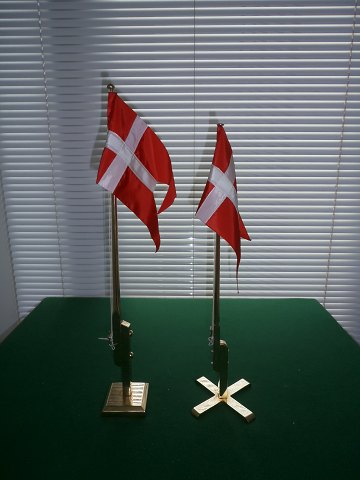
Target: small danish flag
218 207
134 160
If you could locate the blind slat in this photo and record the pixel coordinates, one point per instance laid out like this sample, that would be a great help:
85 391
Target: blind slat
275 73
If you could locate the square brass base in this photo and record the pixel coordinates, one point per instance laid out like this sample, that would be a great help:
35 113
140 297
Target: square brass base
118 403
226 398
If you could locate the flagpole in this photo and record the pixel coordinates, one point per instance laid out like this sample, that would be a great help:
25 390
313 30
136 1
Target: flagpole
120 330
222 393
124 397
115 257
216 287
220 348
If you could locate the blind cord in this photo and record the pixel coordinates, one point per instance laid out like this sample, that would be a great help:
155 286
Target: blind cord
50 142
194 168
333 216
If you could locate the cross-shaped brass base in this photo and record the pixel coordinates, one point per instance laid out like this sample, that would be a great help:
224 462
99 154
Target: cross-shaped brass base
226 398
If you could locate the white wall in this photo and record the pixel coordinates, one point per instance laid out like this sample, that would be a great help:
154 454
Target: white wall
8 307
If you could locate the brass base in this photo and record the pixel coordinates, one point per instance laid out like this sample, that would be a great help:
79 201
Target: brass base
119 403
226 398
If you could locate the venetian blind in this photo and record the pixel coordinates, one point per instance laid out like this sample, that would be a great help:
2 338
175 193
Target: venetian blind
283 76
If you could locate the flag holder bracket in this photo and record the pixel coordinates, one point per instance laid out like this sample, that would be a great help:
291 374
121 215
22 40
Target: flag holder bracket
226 398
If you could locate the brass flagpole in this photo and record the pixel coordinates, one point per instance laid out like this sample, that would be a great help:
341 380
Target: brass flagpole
220 348
124 397
222 393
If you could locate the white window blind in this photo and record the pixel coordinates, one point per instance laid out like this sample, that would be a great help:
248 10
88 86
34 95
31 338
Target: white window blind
283 76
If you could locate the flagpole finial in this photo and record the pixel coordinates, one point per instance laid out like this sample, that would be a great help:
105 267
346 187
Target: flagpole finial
110 87
220 124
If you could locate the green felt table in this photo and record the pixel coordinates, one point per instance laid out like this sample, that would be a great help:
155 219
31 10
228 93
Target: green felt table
303 368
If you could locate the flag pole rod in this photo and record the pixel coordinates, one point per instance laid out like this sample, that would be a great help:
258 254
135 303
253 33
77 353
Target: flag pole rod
115 257
124 397
121 332
216 289
220 348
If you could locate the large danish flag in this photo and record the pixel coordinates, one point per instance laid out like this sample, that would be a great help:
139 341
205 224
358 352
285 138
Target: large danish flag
134 160
218 207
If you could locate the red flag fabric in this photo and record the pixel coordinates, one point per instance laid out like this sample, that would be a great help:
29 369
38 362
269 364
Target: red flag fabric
218 207
134 160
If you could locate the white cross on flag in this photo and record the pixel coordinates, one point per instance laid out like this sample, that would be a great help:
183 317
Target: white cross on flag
134 160
218 207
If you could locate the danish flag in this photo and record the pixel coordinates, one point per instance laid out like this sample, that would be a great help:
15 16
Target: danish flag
218 207
134 160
